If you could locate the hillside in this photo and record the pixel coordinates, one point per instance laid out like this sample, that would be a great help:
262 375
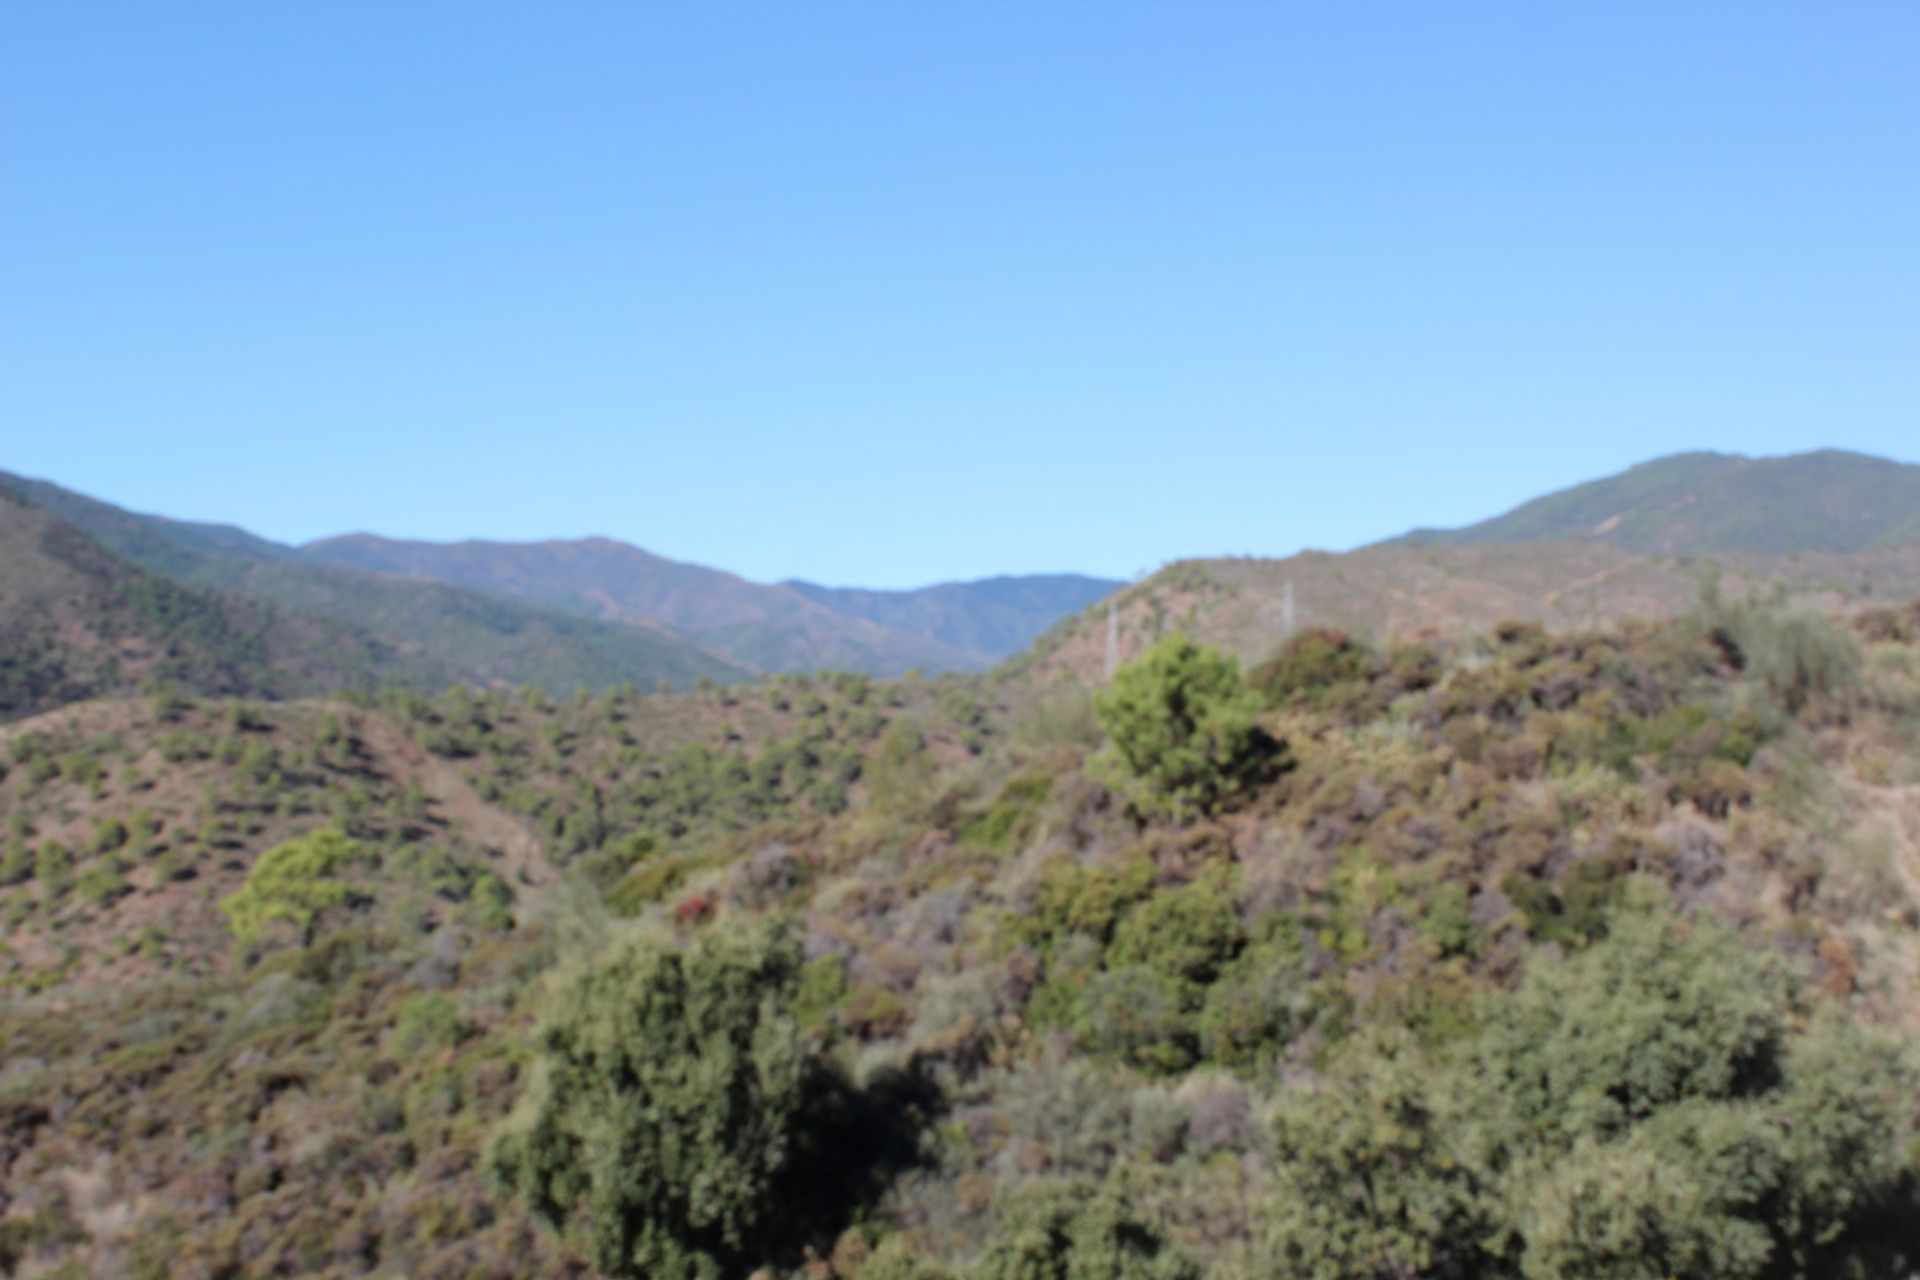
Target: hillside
792 626
78 621
1390 591
435 633
1696 503
588 613
1587 944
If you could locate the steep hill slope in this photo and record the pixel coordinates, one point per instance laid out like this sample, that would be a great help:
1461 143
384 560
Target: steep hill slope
78 621
785 627
1396 591
177 548
436 632
1615 928
1829 500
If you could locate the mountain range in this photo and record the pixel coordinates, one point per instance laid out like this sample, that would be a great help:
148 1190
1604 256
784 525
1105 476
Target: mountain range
98 599
779 627
1016 981
362 611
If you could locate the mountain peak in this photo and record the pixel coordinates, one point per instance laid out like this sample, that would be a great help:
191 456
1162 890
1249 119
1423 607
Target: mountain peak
1703 502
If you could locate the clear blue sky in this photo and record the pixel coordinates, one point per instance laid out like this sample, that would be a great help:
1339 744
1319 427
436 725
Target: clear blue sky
896 292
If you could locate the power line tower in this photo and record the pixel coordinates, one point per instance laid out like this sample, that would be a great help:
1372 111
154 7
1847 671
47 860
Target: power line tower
1286 610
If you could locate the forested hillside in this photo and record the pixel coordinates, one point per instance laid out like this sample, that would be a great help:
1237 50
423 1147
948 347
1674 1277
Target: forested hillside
78 621
386 630
589 613
1498 953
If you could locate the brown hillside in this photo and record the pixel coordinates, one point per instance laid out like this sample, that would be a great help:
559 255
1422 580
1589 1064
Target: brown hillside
1386 592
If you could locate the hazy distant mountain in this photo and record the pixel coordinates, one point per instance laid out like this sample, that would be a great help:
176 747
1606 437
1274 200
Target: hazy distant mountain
1712 502
429 632
995 617
780 627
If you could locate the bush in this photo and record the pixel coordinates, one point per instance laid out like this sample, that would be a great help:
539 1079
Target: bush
1187 933
1255 1007
1803 660
110 835
1072 899
1066 1231
1372 1177
1662 1010
668 1105
1184 736
1311 667
293 882
1655 1105
1139 1014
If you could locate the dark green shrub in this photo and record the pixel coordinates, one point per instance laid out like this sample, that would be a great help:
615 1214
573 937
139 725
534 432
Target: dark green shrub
1313 667
668 1107
1068 1231
1255 1006
1373 1175
53 868
1184 736
102 884
1575 913
1651 1104
1072 899
1187 933
16 863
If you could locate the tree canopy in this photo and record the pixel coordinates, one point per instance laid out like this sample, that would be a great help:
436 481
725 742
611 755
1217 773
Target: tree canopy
1183 734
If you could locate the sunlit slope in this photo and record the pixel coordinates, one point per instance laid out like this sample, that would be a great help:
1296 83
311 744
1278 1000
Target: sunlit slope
1399 591
1828 500
437 633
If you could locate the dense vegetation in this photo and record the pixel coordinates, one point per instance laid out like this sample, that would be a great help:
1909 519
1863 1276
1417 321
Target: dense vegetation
1524 954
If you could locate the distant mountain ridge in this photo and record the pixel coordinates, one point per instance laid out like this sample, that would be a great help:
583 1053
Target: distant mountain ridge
567 614
130 595
1697 503
779 627
994 616
381 629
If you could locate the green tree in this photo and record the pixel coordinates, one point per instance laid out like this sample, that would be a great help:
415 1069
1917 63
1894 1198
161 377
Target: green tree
1067 1231
1372 1176
293 882
1657 1105
1183 734
1660 1105
669 1101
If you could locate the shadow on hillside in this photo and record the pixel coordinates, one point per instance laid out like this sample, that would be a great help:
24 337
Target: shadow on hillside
860 1140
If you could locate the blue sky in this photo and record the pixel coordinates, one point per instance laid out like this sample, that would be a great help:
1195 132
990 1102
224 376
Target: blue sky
894 293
